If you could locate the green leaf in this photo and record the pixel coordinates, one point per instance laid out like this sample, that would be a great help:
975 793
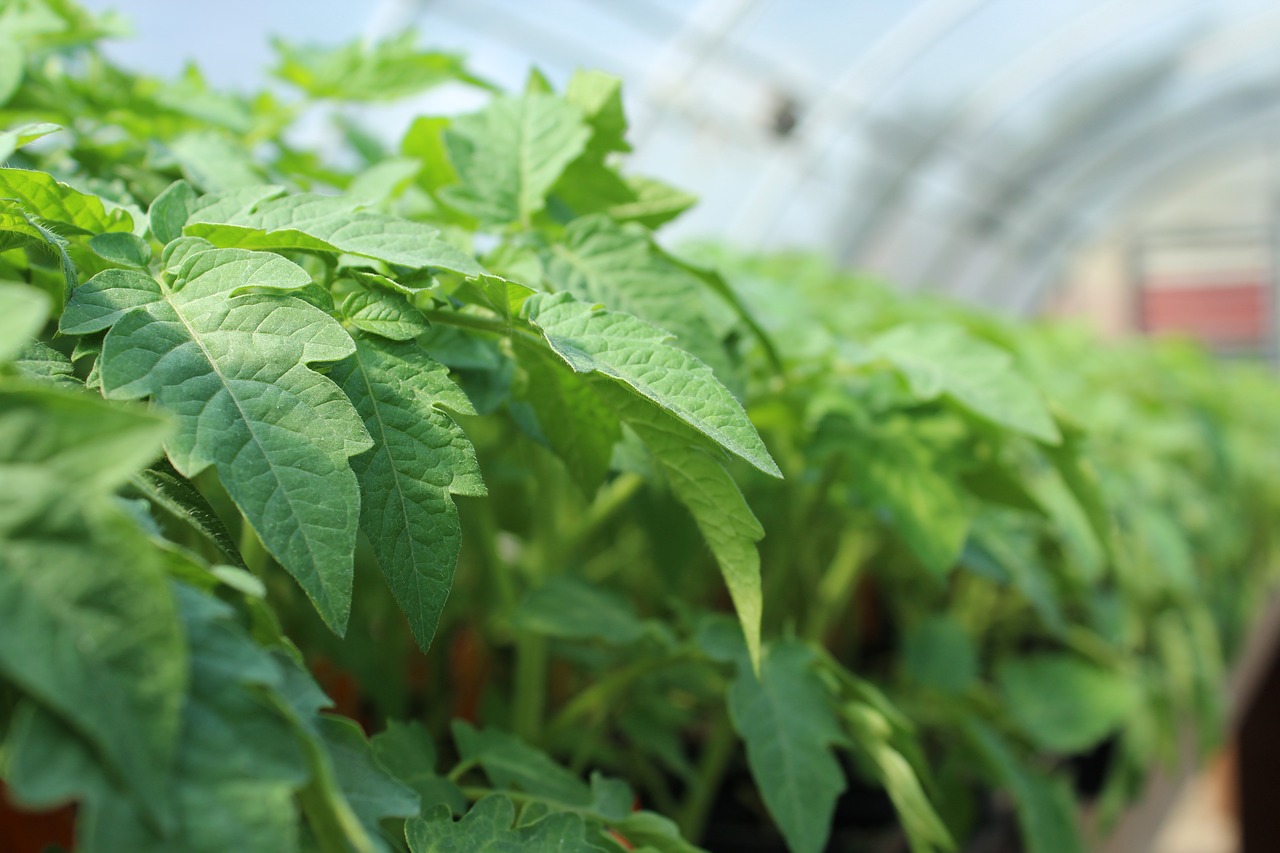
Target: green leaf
568 608
647 830
510 154
787 722
122 248
360 71
372 792
15 138
215 162
700 482
574 420
23 311
64 444
419 460
599 96
235 773
938 359
652 204
88 627
871 732
1061 702
930 511
639 356
388 315
40 362
1046 807
168 490
13 61
599 261
490 827
234 370
69 211
512 764
316 223
170 210
939 653
407 751
424 142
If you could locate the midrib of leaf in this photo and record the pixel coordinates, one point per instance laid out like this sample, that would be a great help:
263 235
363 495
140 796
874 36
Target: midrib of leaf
788 755
403 500
244 418
524 204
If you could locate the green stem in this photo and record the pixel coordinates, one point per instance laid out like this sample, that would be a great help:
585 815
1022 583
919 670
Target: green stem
837 583
711 770
530 702
481 323
608 503
598 696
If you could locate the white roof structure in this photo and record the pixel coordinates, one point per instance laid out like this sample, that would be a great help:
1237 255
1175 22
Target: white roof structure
965 146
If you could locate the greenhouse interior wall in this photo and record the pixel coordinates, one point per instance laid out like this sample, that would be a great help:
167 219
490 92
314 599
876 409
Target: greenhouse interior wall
777 426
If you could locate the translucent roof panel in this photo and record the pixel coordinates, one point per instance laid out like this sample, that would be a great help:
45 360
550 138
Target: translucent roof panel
961 145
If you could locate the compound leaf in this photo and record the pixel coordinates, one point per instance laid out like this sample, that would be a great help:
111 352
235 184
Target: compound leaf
234 370
510 154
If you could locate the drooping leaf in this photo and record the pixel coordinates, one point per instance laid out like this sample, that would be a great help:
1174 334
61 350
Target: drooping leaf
938 359
13 139
640 357
577 424
700 482
55 204
168 490
509 155
599 261
315 223
786 719
1062 702
234 370
871 739
40 362
491 827
374 794
419 460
